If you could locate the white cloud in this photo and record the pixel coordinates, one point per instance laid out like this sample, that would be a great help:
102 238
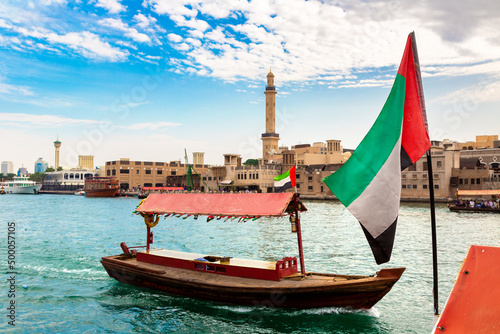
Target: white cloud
340 39
112 6
175 38
181 47
42 120
13 89
88 44
129 32
143 21
487 90
150 126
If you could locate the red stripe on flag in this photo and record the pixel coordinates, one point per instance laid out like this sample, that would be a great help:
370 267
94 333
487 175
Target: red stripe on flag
292 176
415 139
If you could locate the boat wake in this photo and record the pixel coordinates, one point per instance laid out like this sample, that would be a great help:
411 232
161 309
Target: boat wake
85 274
373 312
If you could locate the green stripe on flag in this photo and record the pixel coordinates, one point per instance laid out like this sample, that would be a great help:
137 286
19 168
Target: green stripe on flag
352 179
282 176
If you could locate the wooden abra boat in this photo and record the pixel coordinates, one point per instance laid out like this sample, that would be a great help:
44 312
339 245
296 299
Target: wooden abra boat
240 281
101 186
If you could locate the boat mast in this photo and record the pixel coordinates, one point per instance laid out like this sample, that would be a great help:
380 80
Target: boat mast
299 235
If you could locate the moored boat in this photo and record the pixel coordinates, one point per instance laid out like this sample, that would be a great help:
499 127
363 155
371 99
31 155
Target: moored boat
234 280
101 186
476 201
21 185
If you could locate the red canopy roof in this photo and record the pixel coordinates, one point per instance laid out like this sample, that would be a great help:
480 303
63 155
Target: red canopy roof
478 192
237 205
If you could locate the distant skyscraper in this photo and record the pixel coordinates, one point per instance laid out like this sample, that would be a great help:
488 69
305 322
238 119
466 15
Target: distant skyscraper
40 165
7 167
57 145
22 171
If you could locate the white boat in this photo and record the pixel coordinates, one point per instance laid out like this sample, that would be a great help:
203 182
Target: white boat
80 193
21 185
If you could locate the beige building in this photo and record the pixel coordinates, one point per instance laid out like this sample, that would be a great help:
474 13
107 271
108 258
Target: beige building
414 179
234 176
482 141
320 153
479 170
86 162
135 174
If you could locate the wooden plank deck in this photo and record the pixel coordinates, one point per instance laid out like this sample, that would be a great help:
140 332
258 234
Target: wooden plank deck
257 264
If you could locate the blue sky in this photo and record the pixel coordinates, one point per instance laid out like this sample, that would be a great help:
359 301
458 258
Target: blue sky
146 79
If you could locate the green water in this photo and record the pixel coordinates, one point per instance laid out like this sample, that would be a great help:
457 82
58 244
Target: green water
61 286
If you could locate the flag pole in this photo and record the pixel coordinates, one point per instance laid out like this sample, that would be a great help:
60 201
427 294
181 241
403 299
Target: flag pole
299 230
430 178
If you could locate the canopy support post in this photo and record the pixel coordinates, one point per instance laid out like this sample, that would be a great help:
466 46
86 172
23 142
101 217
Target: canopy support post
148 238
299 237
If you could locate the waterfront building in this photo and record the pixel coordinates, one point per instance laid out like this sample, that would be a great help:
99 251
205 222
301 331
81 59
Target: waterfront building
479 170
309 179
138 174
57 146
7 167
40 166
234 176
414 179
66 180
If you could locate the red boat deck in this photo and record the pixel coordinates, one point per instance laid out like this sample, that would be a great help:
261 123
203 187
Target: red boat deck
265 270
473 306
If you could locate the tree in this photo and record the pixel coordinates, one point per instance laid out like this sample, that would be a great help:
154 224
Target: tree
251 162
37 177
59 168
50 169
8 177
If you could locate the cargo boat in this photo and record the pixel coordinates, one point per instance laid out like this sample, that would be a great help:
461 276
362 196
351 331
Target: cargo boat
101 186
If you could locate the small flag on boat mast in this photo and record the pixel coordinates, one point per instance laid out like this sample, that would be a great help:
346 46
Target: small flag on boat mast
369 183
285 181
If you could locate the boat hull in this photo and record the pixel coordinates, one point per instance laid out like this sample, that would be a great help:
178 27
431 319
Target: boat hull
317 290
101 193
455 208
28 190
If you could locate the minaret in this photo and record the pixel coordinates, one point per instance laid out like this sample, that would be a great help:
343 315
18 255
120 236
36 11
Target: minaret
57 144
270 138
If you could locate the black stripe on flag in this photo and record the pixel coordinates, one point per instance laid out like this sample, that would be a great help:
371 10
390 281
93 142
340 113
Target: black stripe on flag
382 245
405 159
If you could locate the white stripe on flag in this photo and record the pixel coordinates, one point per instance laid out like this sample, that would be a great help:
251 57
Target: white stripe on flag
377 206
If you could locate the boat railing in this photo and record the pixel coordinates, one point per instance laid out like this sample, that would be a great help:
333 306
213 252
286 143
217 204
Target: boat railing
129 250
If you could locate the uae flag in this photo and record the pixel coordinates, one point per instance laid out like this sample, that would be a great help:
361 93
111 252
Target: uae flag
369 183
285 181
